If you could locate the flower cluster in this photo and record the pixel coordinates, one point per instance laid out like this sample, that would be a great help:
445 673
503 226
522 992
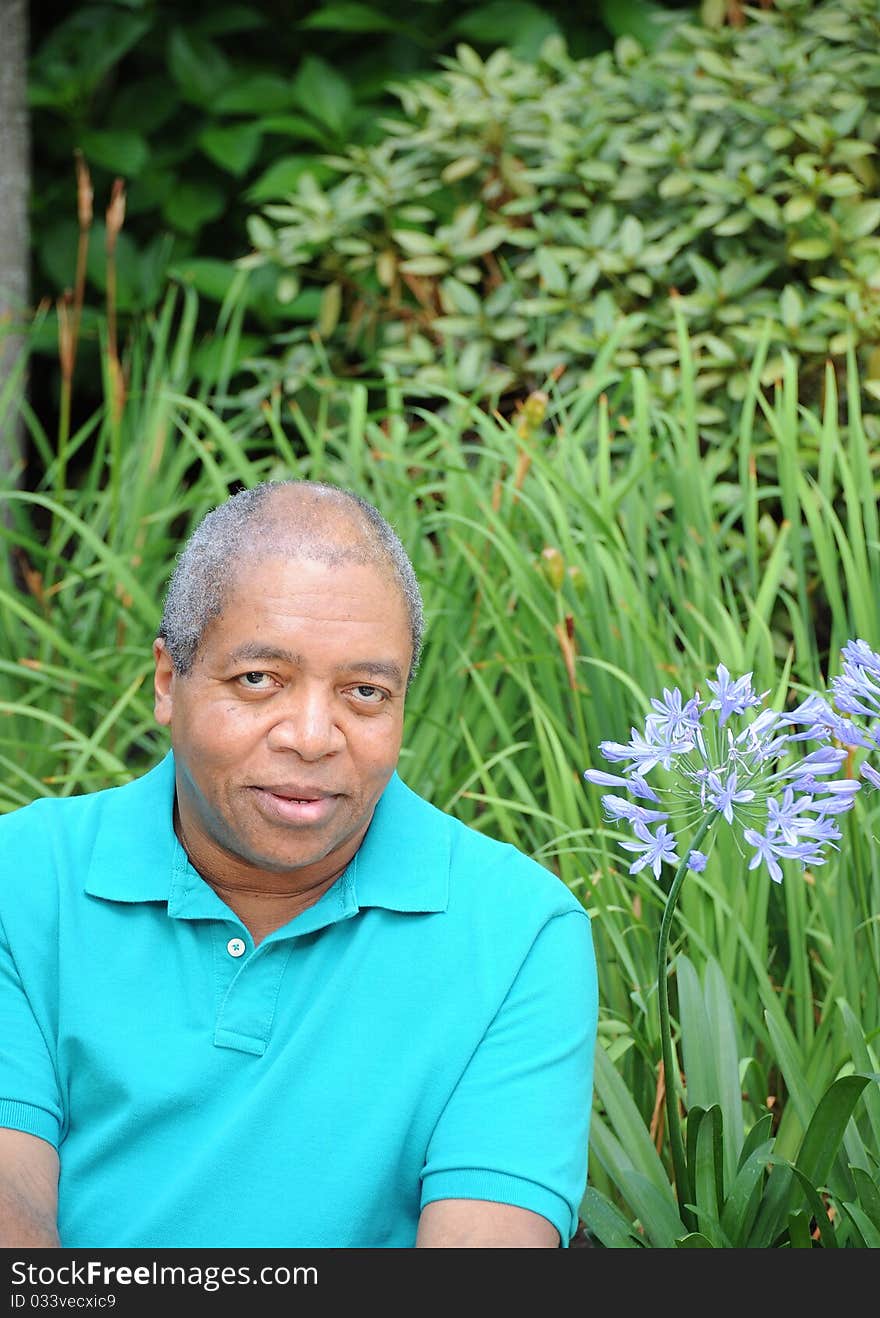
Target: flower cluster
729 758
856 693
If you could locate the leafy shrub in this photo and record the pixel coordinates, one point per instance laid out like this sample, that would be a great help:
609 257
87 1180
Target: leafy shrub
522 215
206 111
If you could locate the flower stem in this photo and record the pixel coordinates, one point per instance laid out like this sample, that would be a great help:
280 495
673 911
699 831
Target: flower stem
670 1063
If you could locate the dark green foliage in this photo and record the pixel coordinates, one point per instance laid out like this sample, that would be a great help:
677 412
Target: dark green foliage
207 110
521 214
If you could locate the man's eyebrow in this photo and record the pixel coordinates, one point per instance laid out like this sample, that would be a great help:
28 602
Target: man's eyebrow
256 652
374 668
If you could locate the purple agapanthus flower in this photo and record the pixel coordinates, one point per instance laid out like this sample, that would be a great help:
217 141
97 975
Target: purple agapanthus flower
673 716
724 794
655 848
732 697
856 692
728 760
618 807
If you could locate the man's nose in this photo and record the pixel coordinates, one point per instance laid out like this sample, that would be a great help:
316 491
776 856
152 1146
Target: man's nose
307 724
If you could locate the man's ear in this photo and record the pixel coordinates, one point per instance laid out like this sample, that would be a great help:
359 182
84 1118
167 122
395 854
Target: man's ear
163 683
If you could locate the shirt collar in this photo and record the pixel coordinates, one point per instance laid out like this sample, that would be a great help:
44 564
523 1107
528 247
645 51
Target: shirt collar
401 865
403 862
135 848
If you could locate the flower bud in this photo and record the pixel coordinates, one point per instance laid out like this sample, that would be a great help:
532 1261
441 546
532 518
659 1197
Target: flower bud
532 413
552 566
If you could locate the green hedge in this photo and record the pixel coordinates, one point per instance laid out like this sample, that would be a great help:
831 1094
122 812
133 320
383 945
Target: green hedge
523 216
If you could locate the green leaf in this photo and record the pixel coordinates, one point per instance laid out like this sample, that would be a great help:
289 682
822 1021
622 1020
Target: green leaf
741 1204
261 233
675 184
640 19
460 298
331 308
552 274
606 1222
233 149
627 1123
869 1194
211 278
714 64
121 152
199 68
778 137
282 178
351 17
810 249
454 325
516 24
725 1054
425 265
757 1137
797 208
705 1166
143 105
824 1134
799 1236
791 307
255 93
654 1208
694 1240
415 242
766 209
840 185
696 1037
295 126
859 221
192 205
865 1226
817 1209
461 168
736 222
323 92
632 237
224 19
71 61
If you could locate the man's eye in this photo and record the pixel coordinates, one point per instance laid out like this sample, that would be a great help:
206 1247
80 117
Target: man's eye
374 695
255 681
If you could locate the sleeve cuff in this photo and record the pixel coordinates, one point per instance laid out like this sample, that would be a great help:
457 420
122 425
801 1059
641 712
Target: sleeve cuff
500 1188
30 1120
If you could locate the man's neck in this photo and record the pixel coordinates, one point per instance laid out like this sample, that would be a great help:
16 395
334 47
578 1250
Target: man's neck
263 912
262 901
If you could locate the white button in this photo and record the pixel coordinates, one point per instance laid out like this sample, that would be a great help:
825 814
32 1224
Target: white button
236 947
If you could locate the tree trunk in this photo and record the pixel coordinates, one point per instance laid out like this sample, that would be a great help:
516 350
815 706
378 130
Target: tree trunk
14 230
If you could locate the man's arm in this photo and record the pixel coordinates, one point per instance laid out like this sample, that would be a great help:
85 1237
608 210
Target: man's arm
28 1192
479 1224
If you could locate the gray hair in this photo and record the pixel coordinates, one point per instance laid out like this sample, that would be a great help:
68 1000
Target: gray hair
255 524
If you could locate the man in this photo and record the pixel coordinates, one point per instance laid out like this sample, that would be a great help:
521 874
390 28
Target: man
265 995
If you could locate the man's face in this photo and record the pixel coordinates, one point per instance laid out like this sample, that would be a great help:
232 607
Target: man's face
288 726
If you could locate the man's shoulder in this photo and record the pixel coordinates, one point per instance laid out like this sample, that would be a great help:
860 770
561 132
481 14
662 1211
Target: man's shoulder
50 844
37 822
484 868
47 814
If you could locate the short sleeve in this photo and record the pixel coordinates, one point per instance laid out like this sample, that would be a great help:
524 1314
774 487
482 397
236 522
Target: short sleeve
29 1099
516 1128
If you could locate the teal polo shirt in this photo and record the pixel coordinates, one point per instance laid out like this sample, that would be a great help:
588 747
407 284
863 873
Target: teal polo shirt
424 1031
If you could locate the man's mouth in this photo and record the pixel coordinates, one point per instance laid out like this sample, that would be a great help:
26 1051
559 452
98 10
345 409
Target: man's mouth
295 805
